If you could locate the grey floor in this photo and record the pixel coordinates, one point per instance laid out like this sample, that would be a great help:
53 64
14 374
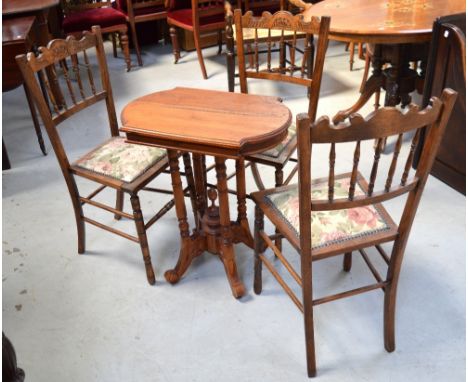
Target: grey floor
94 317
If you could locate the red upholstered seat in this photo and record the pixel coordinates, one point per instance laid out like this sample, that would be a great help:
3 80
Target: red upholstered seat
184 16
84 20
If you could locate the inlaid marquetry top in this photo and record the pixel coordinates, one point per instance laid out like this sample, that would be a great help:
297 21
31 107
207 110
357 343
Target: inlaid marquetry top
14 7
207 121
384 21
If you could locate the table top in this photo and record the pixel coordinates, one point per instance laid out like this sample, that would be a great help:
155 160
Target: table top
384 21
207 121
16 29
13 7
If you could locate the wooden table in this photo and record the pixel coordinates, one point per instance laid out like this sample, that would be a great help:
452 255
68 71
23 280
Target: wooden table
204 122
401 30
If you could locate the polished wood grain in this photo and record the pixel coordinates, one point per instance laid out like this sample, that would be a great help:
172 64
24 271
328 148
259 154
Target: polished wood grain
216 122
207 122
405 189
384 21
13 7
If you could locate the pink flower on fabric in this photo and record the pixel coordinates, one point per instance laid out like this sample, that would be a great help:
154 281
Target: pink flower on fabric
363 215
333 236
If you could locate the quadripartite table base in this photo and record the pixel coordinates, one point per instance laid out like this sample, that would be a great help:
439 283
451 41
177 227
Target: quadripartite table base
214 232
398 81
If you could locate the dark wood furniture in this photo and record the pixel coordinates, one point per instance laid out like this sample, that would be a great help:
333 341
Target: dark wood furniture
81 15
202 16
401 32
205 122
446 68
141 11
18 37
343 213
114 163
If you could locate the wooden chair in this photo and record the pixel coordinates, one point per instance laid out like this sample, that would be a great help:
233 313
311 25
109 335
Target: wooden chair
140 11
343 213
203 16
302 69
81 15
127 168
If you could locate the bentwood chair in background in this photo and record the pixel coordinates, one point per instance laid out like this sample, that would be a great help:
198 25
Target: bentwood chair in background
343 213
81 15
198 17
127 168
141 11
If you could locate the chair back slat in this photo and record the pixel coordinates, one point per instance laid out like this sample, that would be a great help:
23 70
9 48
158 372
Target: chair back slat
331 173
284 31
393 165
375 165
354 172
409 159
59 64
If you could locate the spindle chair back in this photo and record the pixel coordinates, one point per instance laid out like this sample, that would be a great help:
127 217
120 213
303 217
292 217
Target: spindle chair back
343 213
127 168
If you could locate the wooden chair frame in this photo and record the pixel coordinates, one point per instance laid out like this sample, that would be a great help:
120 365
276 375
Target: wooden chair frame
380 124
120 29
200 8
56 53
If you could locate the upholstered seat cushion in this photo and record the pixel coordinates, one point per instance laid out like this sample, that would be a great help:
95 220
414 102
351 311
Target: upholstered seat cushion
84 20
184 16
276 151
329 227
120 160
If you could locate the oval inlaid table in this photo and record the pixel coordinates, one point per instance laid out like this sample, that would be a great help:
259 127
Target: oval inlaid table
205 122
401 31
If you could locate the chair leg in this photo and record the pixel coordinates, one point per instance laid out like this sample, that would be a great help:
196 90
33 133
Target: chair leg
125 49
278 183
366 72
78 210
114 45
141 231
196 38
347 261
220 41
119 204
256 176
135 42
175 44
258 248
190 183
351 55
36 124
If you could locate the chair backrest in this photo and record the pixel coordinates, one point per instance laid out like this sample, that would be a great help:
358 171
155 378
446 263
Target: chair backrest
379 125
131 5
206 9
258 6
80 5
291 33
65 83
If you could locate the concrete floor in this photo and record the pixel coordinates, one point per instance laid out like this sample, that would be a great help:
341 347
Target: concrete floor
95 318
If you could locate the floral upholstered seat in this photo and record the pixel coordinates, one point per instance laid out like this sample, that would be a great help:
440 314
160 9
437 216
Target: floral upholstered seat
276 151
120 160
330 227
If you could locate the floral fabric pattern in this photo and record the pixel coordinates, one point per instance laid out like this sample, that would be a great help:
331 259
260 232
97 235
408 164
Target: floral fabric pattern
121 160
276 151
329 227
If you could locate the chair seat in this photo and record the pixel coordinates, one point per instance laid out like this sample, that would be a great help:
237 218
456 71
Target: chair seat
120 160
84 20
184 16
276 151
262 34
329 227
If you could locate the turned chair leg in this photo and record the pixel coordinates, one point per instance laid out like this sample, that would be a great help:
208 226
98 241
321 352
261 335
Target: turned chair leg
220 41
79 216
175 44
351 55
114 45
135 43
196 38
119 204
347 261
125 49
258 249
278 183
141 231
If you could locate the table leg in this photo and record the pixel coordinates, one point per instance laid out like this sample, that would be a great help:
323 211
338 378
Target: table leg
226 249
186 251
241 228
200 188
